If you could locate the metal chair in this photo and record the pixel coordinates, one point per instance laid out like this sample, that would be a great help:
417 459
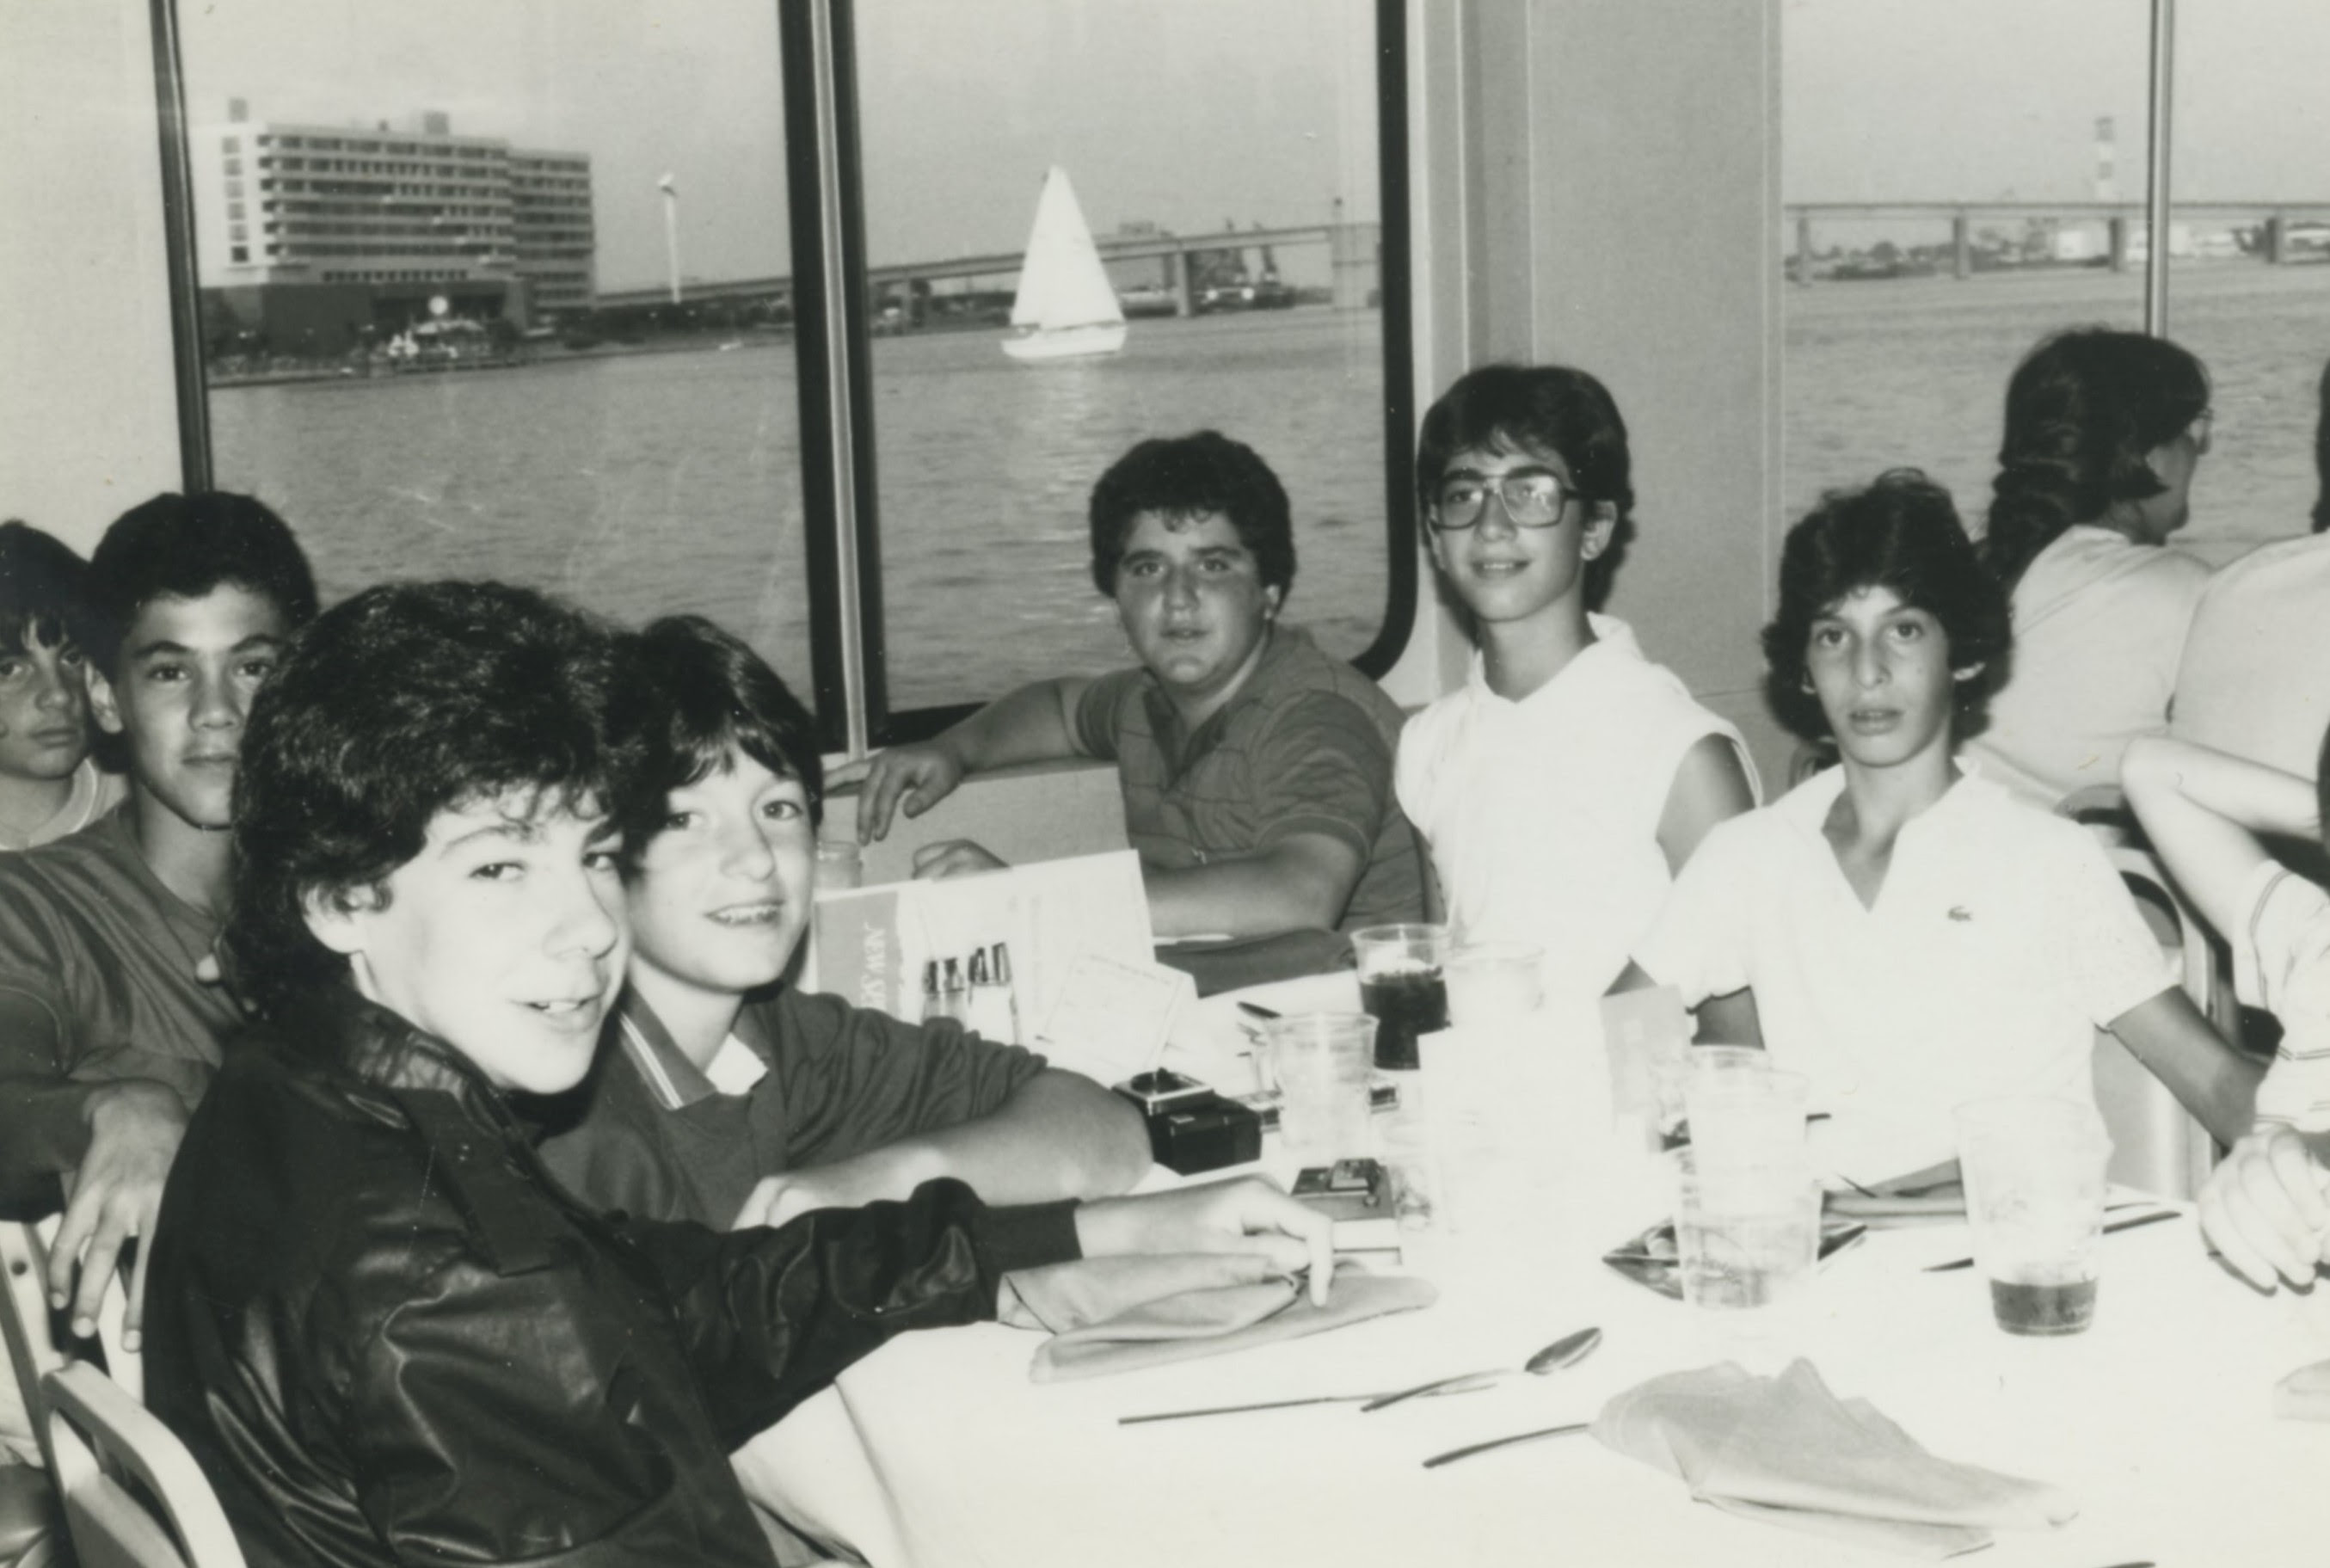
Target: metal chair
31 1526
133 1496
2156 1144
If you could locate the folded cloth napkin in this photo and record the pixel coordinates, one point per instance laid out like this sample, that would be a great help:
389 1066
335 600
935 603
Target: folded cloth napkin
1786 1450
1112 1315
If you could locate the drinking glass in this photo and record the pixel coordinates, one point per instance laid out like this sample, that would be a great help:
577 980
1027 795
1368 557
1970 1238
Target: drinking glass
1746 1235
1320 1060
1493 982
2034 1167
1404 986
1742 1109
838 864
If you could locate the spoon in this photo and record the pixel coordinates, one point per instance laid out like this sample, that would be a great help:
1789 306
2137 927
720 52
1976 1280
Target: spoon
1568 1350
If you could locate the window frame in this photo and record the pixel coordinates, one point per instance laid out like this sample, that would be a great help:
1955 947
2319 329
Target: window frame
839 496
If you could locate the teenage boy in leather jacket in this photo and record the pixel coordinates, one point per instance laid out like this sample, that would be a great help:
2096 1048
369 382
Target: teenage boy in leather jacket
383 1332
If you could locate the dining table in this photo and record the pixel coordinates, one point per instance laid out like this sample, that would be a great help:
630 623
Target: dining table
940 1452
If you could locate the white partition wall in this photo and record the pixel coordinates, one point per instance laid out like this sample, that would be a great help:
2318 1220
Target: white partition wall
1598 184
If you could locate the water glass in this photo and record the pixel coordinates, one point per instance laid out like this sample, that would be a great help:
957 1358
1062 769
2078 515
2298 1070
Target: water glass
838 865
1742 1109
1403 985
2034 1167
1746 1236
1322 1060
1493 982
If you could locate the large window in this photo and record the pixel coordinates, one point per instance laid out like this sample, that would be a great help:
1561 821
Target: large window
1180 130
1963 199
1949 203
453 350
701 308
2250 255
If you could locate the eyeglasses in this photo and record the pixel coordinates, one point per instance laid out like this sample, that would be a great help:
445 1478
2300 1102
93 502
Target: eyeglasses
1532 501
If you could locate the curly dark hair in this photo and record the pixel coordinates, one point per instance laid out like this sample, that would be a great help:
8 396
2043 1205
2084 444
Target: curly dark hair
2083 410
43 590
691 694
1901 533
1542 408
1190 476
186 545
403 702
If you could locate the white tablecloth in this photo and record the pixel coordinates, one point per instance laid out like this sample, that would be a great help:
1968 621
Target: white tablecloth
938 1451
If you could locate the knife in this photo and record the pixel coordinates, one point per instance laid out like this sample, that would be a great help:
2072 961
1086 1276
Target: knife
1471 1382
2154 1218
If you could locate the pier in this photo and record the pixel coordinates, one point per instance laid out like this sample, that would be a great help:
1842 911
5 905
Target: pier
1354 251
2122 222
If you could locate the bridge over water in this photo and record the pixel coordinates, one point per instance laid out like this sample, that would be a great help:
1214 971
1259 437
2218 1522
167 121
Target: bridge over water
1353 252
2122 222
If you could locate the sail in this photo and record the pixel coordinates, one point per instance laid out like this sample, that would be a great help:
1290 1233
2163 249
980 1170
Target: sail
1061 280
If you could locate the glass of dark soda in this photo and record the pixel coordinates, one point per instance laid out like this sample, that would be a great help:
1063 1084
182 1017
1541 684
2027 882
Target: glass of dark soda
1403 985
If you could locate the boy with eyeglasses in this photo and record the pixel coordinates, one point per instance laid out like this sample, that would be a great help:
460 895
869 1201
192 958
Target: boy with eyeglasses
1564 784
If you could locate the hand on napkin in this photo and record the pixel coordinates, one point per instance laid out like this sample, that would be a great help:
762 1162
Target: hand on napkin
1786 1450
1111 1315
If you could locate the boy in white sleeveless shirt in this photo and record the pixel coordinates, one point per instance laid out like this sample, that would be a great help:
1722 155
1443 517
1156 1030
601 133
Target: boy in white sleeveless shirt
1565 784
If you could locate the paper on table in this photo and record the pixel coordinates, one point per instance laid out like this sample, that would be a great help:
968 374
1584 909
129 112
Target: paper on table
1642 1029
1110 1018
871 944
1787 1451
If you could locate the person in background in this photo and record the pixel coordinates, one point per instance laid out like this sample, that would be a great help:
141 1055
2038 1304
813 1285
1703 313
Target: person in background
108 1023
49 786
1256 770
1908 933
2206 812
720 1074
2255 679
384 1332
1611 773
2105 431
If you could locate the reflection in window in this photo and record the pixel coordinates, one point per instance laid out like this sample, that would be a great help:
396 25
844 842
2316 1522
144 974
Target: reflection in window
1223 160
1895 114
2250 257
459 353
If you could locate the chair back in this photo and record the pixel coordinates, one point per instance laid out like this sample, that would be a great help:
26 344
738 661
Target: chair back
24 1322
2157 1145
133 1496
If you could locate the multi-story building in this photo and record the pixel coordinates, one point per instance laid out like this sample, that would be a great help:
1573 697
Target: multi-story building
322 236
551 222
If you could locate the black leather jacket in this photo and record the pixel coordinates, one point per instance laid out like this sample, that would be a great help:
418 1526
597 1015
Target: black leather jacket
388 1336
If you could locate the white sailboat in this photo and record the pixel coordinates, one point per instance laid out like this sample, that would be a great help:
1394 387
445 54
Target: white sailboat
1064 309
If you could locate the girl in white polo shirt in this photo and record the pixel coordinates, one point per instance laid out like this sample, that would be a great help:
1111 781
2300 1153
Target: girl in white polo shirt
1904 930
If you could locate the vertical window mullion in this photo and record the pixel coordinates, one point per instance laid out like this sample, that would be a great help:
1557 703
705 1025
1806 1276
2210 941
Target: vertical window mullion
837 454
178 248
1398 342
2162 95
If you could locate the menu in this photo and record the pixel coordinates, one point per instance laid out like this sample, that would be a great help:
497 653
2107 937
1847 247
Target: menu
1023 956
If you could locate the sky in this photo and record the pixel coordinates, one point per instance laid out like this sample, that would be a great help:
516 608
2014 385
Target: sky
1197 112
1187 115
